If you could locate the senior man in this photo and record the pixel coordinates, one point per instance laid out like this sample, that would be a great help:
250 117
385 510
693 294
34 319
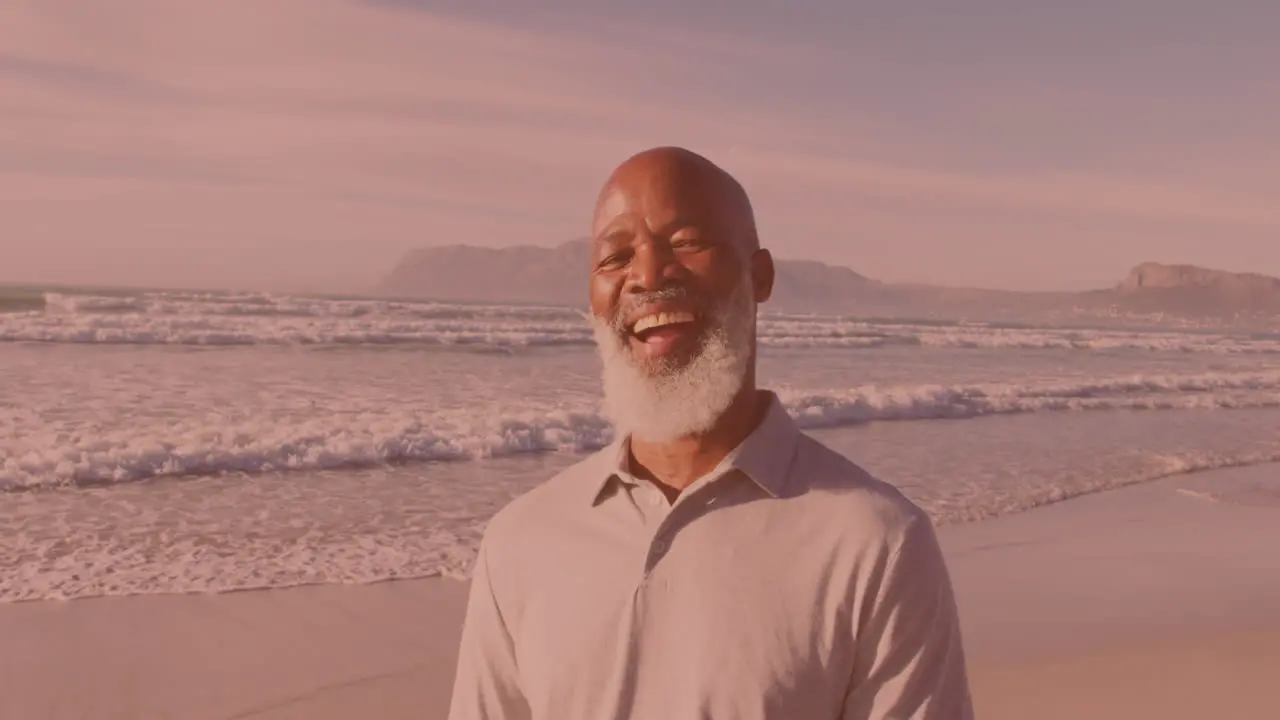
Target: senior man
714 561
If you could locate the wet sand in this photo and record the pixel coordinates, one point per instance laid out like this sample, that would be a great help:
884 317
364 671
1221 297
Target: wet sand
1155 601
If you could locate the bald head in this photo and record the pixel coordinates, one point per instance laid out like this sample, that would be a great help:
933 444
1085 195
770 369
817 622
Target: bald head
702 187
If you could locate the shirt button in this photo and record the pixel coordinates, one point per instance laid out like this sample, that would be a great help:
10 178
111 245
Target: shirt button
659 547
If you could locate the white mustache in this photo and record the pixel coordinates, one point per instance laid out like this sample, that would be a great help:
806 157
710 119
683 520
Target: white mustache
632 304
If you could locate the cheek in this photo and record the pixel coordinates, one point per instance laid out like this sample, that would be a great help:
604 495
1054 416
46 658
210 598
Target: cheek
603 295
714 274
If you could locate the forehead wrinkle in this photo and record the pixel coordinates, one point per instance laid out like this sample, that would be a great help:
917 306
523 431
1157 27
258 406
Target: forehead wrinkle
711 190
691 207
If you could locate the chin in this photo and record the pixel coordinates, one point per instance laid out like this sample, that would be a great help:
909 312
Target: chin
683 394
667 365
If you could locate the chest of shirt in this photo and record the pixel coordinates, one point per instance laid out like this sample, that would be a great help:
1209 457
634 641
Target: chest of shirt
741 612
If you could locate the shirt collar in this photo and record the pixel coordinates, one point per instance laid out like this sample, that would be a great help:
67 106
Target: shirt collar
764 456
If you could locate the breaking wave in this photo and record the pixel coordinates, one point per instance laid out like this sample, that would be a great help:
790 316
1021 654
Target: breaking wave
240 319
48 454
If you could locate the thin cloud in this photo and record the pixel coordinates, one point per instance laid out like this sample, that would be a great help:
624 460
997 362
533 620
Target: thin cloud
390 122
80 78
1073 192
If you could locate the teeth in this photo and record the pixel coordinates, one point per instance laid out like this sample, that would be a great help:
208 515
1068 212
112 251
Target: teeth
648 322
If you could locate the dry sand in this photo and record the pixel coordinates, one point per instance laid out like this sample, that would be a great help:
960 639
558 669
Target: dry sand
1150 602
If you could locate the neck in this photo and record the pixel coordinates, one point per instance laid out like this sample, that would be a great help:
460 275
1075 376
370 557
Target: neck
674 466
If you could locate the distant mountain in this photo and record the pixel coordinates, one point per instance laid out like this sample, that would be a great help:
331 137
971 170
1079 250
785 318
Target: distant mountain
515 274
557 275
1152 294
1191 293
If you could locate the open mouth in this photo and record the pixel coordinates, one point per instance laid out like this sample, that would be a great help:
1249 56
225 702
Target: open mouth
660 333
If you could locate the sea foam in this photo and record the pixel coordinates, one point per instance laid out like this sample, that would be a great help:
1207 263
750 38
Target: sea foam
40 452
212 320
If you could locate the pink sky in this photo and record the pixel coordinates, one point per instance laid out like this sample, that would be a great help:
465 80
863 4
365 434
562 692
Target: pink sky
308 143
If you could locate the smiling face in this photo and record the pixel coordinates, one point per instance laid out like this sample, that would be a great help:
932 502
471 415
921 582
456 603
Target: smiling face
673 238
676 275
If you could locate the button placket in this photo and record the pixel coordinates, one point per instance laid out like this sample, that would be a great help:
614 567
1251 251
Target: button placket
659 545
684 510
665 533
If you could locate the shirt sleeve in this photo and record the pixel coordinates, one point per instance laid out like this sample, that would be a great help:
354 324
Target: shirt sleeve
486 685
910 663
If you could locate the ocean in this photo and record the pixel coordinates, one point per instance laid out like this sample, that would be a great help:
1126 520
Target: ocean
163 441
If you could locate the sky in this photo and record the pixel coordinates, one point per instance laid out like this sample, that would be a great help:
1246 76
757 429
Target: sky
307 144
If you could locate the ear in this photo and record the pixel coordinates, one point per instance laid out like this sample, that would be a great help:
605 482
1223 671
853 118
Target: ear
762 274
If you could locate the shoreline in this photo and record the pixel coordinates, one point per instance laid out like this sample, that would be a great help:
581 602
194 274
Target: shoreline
1187 475
1079 608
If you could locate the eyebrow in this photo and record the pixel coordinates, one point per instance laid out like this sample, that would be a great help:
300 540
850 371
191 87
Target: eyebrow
668 228
678 223
614 235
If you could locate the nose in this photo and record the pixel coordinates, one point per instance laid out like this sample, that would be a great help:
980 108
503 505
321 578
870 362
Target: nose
653 267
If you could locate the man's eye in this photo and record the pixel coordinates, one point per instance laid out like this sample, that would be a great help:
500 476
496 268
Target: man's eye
615 260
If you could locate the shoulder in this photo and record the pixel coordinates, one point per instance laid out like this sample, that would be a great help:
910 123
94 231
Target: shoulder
844 492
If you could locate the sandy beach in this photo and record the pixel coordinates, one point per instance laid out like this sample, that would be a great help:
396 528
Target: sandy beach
1153 601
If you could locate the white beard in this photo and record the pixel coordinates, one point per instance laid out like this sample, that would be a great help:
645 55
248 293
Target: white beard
665 402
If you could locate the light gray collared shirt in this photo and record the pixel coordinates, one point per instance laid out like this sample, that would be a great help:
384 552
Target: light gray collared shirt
787 584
